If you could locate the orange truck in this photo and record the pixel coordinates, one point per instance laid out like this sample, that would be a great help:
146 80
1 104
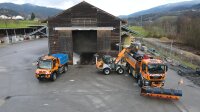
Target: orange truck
50 66
149 73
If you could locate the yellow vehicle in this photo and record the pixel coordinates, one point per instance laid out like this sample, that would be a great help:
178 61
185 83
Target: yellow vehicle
108 64
149 73
49 67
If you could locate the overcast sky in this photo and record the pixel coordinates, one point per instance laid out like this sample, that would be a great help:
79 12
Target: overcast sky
116 7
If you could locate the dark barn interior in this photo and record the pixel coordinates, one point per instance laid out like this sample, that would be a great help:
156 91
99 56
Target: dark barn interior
85 44
84 41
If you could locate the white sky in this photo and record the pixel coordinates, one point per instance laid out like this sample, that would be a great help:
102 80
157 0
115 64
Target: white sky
115 7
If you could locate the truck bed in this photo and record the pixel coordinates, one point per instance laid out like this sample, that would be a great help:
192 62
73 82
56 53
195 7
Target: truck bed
62 57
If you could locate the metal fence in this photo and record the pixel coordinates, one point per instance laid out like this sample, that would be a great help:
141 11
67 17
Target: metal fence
167 51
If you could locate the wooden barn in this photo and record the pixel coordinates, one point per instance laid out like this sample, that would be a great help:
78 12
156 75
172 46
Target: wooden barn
84 30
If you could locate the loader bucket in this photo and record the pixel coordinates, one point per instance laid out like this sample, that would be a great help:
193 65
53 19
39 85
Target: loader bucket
161 93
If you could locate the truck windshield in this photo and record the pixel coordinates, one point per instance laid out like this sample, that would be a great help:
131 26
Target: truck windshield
156 68
45 64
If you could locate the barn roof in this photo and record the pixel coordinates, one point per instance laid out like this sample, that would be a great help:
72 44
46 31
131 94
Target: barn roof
86 3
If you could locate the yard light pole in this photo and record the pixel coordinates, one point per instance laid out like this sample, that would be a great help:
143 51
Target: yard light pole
171 48
120 37
96 57
181 55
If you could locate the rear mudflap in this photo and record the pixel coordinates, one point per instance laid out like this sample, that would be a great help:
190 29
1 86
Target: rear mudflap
161 93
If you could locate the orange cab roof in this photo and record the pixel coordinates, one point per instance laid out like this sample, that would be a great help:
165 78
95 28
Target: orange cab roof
152 61
47 57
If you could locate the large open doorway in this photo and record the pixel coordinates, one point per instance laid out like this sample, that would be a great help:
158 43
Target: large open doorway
85 44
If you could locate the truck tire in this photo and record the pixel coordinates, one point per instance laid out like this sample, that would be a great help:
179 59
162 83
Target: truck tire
106 71
53 76
140 82
65 68
60 70
39 79
120 70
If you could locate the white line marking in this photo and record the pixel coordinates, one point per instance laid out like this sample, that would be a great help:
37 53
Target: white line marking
71 80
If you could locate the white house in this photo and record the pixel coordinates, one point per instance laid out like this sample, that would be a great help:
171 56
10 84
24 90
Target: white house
3 17
19 18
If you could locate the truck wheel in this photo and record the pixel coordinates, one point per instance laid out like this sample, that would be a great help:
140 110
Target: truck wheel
140 82
60 70
120 71
39 79
65 68
53 77
106 71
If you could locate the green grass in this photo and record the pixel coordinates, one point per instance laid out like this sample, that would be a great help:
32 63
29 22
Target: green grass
140 30
17 23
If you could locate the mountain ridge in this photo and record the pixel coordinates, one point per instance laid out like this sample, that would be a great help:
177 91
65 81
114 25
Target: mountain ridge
162 8
26 9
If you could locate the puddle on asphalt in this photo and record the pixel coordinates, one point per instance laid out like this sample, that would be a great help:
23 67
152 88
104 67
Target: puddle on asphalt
2 102
7 97
28 69
191 86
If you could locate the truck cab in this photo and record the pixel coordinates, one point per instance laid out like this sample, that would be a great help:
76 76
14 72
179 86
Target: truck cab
152 72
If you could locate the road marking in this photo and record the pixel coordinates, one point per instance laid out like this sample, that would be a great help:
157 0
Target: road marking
2 102
71 80
46 104
180 106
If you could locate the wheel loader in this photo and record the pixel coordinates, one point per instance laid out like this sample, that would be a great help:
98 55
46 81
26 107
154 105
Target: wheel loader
108 64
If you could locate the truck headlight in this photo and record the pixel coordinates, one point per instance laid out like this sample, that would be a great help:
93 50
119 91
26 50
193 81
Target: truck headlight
146 83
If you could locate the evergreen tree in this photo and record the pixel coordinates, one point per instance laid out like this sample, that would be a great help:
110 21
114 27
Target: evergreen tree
32 16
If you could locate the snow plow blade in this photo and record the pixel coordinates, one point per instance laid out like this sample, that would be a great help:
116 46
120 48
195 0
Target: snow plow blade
161 93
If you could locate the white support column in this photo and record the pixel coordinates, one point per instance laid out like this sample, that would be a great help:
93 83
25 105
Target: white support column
47 33
120 37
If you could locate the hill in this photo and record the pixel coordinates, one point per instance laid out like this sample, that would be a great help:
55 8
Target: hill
150 15
165 8
27 9
8 12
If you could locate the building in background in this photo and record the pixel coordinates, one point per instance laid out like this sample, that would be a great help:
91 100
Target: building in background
84 30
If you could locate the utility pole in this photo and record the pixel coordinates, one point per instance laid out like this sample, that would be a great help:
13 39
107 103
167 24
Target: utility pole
120 37
47 33
171 48
141 22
